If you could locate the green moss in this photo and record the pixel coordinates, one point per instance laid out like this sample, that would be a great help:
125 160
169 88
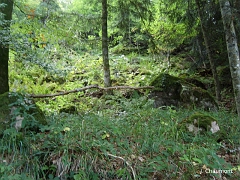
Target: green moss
199 92
200 123
203 94
169 84
194 96
183 91
164 81
201 120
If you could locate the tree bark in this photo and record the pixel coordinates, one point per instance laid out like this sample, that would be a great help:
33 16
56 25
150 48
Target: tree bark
4 47
207 45
232 48
106 68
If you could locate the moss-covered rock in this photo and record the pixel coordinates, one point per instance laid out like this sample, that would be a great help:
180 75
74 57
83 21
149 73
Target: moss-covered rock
181 92
19 111
167 83
167 90
199 122
192 96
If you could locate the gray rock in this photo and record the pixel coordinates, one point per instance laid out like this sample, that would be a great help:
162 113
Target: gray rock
179 92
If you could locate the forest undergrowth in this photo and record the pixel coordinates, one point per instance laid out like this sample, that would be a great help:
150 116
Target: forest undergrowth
92 135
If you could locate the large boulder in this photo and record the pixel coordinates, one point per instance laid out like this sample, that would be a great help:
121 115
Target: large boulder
192 96
181 92
19 111
167 90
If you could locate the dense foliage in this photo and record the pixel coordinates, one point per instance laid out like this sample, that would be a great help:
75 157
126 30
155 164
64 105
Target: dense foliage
55 47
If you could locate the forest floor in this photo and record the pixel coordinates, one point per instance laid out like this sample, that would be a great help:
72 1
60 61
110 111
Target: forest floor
91 135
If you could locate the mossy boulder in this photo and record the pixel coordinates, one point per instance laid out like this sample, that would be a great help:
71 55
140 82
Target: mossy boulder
194 82
199 122
181 92
193 96
167 90
166 82
19 111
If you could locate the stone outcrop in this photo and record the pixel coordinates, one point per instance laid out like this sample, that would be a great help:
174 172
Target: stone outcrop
181 92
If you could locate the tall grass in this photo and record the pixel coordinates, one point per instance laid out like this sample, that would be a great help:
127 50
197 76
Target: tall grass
133 139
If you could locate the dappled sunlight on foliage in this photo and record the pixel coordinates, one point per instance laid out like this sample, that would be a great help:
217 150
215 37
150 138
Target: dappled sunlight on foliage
91 132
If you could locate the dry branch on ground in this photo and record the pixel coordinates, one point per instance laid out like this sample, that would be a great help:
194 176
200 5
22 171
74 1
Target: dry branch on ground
89 87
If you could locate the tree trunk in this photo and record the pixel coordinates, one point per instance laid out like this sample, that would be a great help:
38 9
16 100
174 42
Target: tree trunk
210 56
106 68
4 47
232 48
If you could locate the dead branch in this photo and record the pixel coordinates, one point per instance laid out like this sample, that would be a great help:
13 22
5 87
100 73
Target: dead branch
125 87
128 164
63 93
89 87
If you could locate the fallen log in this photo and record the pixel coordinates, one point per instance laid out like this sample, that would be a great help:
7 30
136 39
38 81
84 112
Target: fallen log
89 87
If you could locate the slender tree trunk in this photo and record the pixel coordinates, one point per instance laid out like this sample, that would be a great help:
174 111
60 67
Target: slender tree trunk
106 68
232 48
207 45
4 48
